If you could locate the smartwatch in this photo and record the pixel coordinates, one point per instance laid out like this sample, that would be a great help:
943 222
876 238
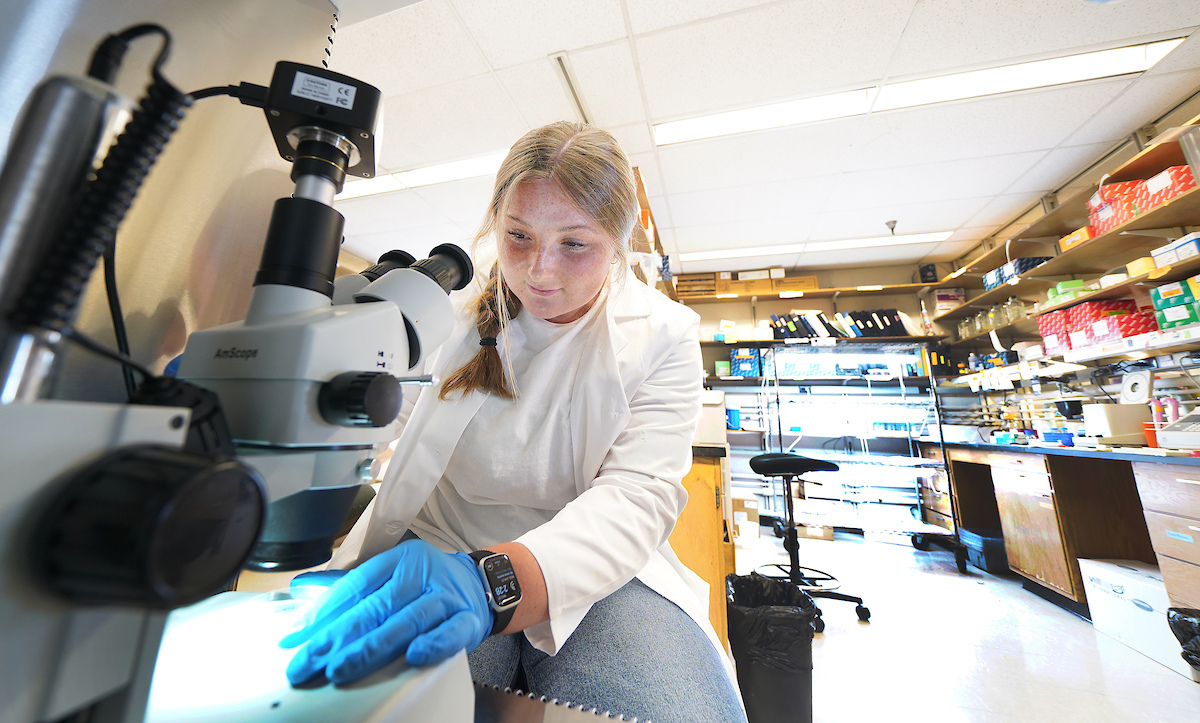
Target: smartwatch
500 582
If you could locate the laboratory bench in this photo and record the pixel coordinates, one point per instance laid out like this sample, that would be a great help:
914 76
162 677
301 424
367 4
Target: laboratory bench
1055 505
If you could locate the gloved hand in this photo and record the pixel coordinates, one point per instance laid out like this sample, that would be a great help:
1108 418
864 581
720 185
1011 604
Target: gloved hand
412 600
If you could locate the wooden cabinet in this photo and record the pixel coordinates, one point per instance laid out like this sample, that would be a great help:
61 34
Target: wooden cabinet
1170 494
699 536
1032 538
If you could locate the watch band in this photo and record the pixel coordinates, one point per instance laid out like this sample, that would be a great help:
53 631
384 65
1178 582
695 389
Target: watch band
501 617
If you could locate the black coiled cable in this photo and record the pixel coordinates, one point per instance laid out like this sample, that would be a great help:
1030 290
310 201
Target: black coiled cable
53 294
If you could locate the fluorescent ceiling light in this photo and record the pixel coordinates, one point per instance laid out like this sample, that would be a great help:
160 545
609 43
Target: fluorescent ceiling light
370 187
776 115
906 94
1024 76
735 253
870 287
455 171
859 243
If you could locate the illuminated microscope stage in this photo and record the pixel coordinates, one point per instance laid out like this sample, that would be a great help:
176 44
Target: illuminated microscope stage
220 661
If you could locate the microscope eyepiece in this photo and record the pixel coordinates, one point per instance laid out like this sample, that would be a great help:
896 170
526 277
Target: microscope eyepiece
449 266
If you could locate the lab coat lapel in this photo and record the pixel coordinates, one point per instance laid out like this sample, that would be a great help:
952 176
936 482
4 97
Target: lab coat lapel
605 381
421 455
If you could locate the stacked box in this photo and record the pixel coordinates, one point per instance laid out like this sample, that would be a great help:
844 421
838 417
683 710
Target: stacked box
1176 316
1165 186
1053 328
946 299
743 362
1016 267
1140 267
1081 316
1177 293
1076 238
991 279
1112 206
1115 328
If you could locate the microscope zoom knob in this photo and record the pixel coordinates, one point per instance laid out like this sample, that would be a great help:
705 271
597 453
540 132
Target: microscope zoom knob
148 526
360 399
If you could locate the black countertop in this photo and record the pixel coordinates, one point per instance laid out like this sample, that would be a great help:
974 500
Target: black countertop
705 450
1077 452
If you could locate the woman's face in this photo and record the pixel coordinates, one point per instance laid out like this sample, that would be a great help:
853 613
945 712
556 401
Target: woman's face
553 256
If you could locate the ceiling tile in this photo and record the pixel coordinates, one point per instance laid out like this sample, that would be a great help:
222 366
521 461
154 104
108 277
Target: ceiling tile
748 233
882 256
634 137
910 218
462 202
459 120
985 127
393 51
1059 166
647 166
1002 209
1185 57
970 233
539 92
773 53
787 261
766 200
511 32
1141 103
817 149
662 214
648 15
608 84
387 211
416 241
930 182
955 33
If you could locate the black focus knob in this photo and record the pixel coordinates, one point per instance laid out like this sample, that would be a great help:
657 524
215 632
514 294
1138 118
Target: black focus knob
148 526
360 399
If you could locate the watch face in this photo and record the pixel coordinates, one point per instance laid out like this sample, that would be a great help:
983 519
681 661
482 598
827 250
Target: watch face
501 580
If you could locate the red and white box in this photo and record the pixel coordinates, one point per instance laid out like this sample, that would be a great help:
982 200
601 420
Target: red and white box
1115 328
1081 316
1165 186
1057 343
1053 323
1113 205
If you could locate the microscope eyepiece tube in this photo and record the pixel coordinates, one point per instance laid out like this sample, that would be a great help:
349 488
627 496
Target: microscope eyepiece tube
449 266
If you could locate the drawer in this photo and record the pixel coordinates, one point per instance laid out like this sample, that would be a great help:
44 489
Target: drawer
929 452
1182 580
1169 488
1178 537
936 518
1021 481
1024 462
936 501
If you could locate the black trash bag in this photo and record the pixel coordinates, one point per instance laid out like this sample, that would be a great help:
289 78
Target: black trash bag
771 634
1185 623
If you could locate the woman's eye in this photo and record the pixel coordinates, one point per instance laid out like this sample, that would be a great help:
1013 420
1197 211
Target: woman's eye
573 244
518 236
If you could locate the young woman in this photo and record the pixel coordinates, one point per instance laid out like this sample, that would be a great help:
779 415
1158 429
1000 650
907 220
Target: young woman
555 449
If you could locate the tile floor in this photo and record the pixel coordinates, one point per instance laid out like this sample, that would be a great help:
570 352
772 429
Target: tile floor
946 647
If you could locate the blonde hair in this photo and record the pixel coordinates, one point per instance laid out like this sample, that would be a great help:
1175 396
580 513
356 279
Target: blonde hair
589 167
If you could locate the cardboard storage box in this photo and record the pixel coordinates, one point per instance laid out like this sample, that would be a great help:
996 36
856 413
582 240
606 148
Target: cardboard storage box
1174 294
745 288
1081 316
745 518
1163 187
1128 601
946 299
814 532
1115 328
794 283
1140 267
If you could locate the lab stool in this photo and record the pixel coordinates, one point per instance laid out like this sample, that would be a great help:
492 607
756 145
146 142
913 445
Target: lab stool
816 583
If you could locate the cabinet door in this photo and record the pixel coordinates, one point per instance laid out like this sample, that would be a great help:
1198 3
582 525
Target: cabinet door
699 533
1032 537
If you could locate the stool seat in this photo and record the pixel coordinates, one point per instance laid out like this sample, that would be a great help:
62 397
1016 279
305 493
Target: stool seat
776 464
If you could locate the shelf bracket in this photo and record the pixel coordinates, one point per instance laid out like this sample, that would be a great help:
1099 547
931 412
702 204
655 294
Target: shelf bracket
1176 232
1049 202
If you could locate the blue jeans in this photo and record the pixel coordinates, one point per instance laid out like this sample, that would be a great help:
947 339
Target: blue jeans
635 654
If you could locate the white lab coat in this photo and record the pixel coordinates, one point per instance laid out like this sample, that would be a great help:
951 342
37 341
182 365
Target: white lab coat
634 409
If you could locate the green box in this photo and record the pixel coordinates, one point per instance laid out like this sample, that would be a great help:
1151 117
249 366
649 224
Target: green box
1179 315
1064 286
721 368
1176 294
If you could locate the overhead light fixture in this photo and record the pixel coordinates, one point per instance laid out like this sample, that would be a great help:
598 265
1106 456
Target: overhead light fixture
1025 76
776 115
735 253
897 240
454 171
370 187
870 287
791 294
907 94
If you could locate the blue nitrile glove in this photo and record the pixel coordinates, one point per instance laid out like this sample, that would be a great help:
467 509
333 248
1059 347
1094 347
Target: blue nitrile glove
412 600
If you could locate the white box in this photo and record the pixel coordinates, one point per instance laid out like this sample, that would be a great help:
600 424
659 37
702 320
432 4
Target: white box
712 426
1128 601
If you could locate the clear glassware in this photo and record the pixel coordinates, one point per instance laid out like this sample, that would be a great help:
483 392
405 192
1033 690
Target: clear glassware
995 316
1016 309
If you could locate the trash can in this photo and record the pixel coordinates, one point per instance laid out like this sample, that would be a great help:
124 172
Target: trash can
771 633
1185 624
